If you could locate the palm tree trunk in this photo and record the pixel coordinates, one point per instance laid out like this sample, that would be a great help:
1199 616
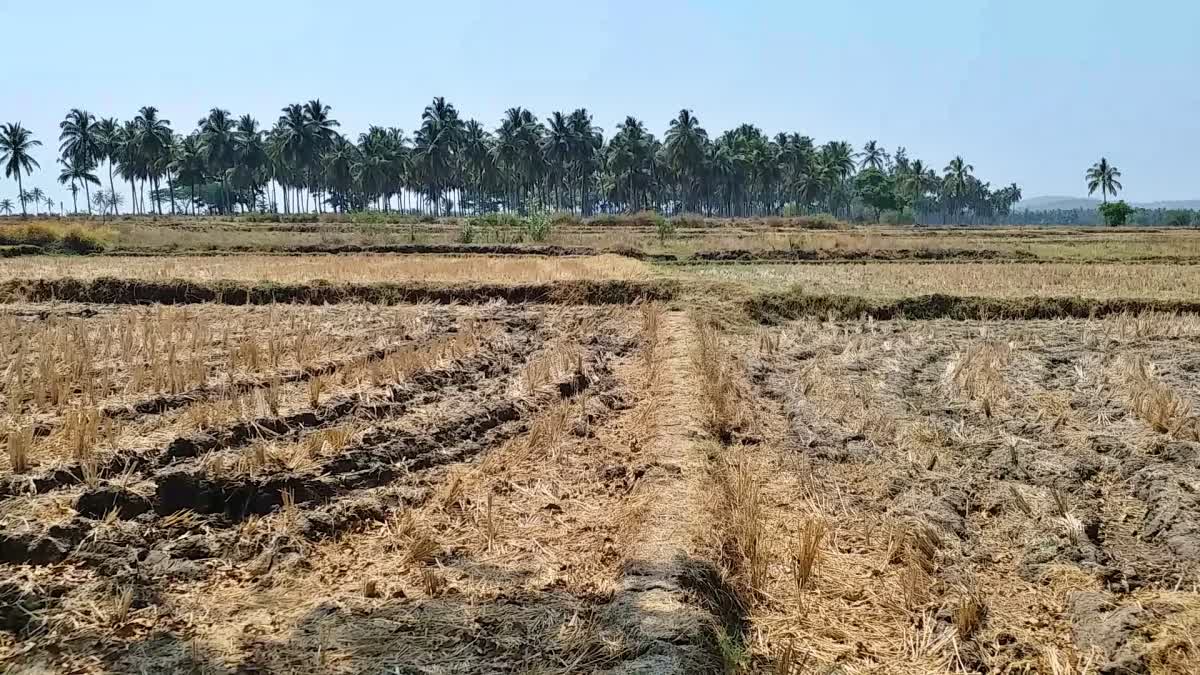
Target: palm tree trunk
171 191
21 193
111 190
74 200
87 194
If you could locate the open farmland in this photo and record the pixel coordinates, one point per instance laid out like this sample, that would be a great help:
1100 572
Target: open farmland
480 462
337 268
999 280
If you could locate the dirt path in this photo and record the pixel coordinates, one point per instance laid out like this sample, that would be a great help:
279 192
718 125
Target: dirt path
663 589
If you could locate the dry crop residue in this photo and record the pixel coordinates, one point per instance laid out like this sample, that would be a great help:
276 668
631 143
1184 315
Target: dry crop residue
980 496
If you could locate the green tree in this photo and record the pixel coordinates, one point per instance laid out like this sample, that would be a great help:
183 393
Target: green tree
16 146
153 142
1178 218
80 143
436 145
684 148
6 206
956 184
1104 177
877 190
1116 213
190 164
218 144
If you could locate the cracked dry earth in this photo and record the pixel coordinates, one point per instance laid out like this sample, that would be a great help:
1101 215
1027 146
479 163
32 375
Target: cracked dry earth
1000 497
490 500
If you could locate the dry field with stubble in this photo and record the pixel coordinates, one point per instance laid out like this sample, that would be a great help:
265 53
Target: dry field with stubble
624 467
362 269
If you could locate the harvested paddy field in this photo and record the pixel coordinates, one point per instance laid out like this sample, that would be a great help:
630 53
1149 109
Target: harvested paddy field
1003 280
341 268
972 496
578 464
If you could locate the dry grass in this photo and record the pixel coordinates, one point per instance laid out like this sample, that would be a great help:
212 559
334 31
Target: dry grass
1006 280
913 576
76 379
1157 403
334 268
723 405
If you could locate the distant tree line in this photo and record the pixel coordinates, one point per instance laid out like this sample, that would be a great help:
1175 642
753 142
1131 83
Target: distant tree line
1146 217
450 165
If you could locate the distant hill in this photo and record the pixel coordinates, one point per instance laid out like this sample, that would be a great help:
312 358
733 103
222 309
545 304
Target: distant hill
1054 203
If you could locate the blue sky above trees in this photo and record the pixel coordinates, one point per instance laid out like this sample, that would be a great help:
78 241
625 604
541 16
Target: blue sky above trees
1028 91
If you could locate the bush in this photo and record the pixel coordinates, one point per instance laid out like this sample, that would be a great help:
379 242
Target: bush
665 228
55 237
466 232
538 226
564 218
34 234
81 242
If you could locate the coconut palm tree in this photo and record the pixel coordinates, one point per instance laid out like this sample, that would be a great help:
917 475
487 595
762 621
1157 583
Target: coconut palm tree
218 141
190 164
436 146
100 199
250 152
49 202
16 145
873 157
75 172
684 148
80 145
323 131
155 138
6 206
129 158
108 143
37 196
957 182
1103 176
80 137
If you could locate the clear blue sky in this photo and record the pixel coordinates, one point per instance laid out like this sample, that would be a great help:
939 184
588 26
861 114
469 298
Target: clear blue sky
1031 92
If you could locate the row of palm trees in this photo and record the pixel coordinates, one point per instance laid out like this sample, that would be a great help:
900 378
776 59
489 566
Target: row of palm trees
454 165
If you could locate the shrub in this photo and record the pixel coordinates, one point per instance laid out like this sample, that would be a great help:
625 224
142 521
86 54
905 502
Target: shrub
538 226
34 234
466 232
665 228
81 242
55 237
564 218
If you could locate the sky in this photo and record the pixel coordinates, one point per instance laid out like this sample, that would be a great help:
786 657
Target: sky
1027 92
